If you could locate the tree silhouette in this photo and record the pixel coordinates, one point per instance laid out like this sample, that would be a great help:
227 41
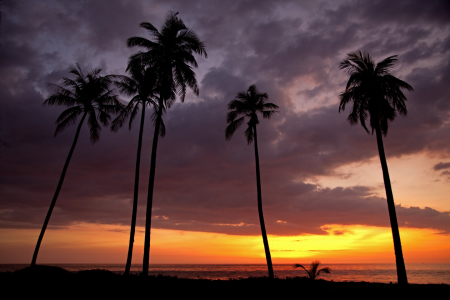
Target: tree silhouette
312 270
377 94
90 97
142 87
171 53
249 104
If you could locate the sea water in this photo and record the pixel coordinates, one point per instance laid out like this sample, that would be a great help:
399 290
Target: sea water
385 273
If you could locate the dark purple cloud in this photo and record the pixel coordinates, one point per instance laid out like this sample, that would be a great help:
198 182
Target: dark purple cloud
290 49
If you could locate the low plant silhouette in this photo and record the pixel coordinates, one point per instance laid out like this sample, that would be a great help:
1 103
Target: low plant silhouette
313 270
87 95
377 94
249 104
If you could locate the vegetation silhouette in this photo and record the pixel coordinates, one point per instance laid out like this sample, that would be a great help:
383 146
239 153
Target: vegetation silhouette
312 270
86 95
377 94
170 53
101 284
142 87
249 104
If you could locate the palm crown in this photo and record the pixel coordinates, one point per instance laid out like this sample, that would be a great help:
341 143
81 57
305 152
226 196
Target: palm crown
88 94
248 104
142 86
170 52
373 90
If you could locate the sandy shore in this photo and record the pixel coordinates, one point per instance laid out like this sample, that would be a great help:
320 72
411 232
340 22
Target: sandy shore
57 282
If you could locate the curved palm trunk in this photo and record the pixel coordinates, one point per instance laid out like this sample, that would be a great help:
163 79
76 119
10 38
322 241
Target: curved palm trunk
58 188
260 210
148 216
401 270
135 196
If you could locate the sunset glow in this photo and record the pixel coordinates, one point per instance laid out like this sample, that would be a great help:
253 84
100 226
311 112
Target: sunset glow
84 243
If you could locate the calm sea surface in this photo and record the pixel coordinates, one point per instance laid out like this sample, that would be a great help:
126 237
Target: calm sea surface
417 273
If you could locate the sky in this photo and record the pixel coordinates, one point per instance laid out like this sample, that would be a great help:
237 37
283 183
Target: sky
322 185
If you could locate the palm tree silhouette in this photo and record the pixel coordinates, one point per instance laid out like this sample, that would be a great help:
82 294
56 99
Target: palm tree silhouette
312 270
90 97
142 87
249 104
377 94
170 53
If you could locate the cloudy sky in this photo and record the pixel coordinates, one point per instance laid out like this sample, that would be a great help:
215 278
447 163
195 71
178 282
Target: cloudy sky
322 185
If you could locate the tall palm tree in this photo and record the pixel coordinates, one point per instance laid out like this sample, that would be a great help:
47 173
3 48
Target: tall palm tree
87 95
250 104
313 271
377 94
143 89
171 53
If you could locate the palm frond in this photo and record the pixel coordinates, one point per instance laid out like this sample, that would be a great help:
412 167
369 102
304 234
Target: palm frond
104 117
122 116
386 65
133 113
62 96
155 117
324 270
150 28
67 118
249 134
231 116
66 113
270 106
94 127
232 127
268 113
301 266
140 41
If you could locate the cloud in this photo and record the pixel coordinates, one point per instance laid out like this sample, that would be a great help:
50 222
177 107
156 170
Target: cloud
289 49
441 166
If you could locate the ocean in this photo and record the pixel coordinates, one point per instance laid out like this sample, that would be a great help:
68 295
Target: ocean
417 273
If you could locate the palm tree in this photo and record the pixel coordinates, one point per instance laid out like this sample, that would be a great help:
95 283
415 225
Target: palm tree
249 104
312 271
142 86
90 97
171 53
377 94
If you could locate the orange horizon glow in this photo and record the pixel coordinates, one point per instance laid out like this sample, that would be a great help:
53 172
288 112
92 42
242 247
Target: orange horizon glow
102 244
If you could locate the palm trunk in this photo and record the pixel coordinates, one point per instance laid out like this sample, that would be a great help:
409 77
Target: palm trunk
260 210
58 188
401 270
148 216
135 196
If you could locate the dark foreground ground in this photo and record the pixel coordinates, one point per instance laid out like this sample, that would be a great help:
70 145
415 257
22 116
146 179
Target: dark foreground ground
52 282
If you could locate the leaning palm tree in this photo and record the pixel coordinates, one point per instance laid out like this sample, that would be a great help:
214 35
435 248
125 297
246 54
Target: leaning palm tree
141 86
171 53
377 94
249 104
87 95
312 270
